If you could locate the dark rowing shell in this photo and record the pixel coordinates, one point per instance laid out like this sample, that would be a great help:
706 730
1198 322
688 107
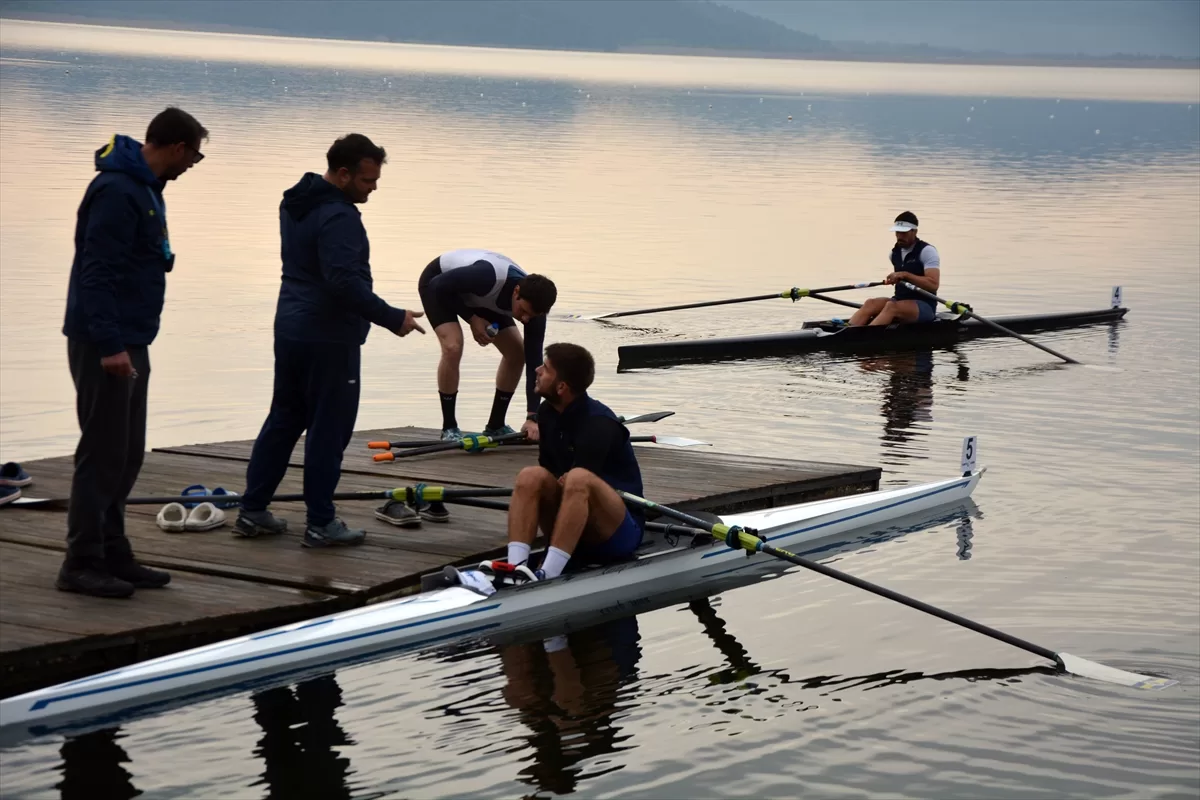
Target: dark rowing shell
826 336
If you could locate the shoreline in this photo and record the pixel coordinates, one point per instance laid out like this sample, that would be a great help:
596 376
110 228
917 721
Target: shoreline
965 59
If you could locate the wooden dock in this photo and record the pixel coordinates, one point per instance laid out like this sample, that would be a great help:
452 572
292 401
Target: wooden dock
224 586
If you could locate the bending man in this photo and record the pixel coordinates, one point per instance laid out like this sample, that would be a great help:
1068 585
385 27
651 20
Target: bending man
489 291
584 454
915 262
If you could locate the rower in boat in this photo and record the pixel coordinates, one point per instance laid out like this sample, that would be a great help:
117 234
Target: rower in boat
914 261
583 455
491 293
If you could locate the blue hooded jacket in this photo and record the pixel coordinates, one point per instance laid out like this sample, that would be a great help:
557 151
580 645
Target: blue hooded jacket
122 253
326 294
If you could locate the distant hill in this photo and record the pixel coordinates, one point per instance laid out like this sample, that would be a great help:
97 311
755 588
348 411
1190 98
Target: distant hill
757 28
604 25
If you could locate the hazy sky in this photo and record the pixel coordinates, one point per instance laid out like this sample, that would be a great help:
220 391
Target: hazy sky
1094 27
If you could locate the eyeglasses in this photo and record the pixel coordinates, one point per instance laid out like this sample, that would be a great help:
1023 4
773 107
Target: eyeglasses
197 156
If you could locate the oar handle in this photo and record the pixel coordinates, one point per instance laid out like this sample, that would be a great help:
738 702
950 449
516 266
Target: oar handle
384 457
734 536
379 445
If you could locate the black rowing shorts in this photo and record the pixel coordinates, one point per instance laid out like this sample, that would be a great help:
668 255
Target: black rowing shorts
439 313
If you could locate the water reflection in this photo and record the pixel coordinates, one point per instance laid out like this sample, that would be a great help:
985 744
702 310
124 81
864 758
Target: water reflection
907 406
565 690
299 741
93 767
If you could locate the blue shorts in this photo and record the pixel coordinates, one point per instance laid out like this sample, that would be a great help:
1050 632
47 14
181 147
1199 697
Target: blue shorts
925 311
619 547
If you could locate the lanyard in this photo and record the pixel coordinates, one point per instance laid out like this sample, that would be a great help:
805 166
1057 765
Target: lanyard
162 215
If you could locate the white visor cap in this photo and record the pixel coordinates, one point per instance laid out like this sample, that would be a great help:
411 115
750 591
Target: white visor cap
901 227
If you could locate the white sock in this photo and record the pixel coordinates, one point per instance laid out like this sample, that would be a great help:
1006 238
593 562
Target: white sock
554 562
518 553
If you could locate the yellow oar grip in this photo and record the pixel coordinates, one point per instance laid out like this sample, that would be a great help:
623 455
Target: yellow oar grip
744 541
417 494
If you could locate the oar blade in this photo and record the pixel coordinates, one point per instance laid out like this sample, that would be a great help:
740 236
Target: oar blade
1090 669
47 503
586 317
680 441
651 417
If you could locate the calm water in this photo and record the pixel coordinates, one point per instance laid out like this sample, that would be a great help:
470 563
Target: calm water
639 181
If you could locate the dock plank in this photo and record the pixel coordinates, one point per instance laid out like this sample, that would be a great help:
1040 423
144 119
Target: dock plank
688 478
37 620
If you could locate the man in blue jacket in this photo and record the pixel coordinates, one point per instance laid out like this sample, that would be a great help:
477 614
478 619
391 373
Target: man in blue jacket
325 310
114 302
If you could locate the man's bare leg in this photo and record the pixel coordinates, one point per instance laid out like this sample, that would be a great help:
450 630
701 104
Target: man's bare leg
898 311
589 511
868 311
534 500
450 339
512 359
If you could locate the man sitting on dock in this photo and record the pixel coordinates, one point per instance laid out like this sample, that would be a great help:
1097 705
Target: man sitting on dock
584 454
489 291
913 261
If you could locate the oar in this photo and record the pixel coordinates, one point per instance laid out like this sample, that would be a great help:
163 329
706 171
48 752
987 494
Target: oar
473 443
654 416
740 538
965 310
674 441
418 493
835 300
793 294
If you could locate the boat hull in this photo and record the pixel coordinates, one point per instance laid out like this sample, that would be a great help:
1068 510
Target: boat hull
439 616
825 336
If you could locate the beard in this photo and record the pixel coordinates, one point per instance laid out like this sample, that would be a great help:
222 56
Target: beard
552 394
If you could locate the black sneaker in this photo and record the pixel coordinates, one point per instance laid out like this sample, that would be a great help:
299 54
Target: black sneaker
138 576
435 512
252 524
395 512
332 534
92 581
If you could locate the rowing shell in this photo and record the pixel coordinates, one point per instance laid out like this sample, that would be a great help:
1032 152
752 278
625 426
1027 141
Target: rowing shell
437 616
828 335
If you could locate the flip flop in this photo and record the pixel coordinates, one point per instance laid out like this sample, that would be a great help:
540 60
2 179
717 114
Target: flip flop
195 488
221 491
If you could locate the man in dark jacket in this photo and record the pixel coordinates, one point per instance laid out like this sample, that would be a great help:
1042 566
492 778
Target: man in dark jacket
584 455
325 310
114 301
